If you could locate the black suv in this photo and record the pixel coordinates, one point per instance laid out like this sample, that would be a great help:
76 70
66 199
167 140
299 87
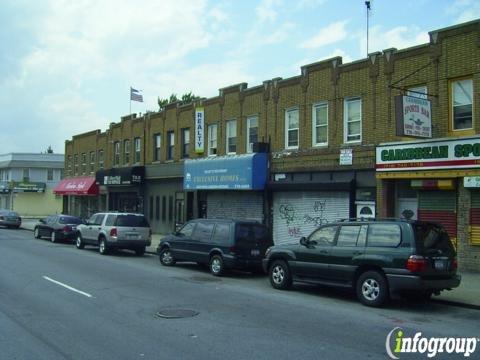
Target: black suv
218 243
377 258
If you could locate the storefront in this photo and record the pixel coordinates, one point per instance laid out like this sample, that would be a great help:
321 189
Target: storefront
4 195
33 199
228 186
434 181
122 188
80 196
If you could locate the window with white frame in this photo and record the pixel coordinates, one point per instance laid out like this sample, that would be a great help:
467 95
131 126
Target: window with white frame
92 162
84 163
137 144
100 159
353 120
69 165
320 124
252 132
231 139
292 123
462 104
126 152
212 139
157 143
418 91
49 174
185 142
170 145
75 164
116 153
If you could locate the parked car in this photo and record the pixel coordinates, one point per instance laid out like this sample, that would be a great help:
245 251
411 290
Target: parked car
115 231
377 258
10 219
57 227
219 243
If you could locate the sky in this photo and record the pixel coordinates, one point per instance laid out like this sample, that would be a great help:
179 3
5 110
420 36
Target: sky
66 67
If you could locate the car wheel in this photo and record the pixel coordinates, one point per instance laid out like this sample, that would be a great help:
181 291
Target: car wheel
79 242
216 265
372 289
36 233
140 251
279 274
166 257
53 237
102 248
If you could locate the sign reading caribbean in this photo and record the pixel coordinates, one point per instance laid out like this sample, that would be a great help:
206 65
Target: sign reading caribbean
442 154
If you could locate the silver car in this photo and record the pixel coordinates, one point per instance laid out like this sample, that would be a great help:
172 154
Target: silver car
10 219
112 230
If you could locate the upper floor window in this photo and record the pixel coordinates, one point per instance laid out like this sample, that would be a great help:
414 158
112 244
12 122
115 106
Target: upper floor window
320 124
157 143
185 142
212 139
170 145
116 153
137 144
92 162
126 152
100 159
84 163
462 104
292 124
69 165
75 164
252 132
26 175
352 120
231 140
49 174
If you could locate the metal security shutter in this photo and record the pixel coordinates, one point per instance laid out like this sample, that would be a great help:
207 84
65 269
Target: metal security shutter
298 213
475 218
441 207
235 205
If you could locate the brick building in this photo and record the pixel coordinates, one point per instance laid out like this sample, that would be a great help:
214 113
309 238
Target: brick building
294 153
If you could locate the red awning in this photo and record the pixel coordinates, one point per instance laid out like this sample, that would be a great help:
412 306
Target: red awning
84 185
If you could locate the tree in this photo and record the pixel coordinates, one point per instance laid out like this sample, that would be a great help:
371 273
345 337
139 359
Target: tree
186 98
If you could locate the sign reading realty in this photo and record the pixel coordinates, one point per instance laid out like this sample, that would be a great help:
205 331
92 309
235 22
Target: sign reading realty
442 154
199 130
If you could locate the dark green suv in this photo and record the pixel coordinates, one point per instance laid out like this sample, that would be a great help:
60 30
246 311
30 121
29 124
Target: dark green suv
377 258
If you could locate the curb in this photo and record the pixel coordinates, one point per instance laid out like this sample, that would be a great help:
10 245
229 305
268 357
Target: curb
457 304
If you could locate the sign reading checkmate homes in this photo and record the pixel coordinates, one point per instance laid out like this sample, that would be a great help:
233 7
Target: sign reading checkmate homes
441 154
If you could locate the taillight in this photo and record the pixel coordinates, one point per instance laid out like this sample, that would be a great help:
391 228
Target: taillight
454 264
67 228
416 263
113 232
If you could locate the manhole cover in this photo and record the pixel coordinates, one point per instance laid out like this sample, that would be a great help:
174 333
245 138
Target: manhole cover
176 313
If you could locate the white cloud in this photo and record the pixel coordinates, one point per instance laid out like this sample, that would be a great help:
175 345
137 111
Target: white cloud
328 35
266 10
466 10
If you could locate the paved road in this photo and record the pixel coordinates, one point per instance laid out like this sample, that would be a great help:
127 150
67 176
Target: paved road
57 302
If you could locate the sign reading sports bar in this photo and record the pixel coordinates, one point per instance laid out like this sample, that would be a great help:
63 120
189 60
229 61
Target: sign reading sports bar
441 154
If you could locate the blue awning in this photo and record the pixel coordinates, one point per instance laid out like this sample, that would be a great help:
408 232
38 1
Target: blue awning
232 172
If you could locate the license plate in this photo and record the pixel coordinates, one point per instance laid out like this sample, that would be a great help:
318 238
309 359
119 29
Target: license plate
132 237
440 264
255 252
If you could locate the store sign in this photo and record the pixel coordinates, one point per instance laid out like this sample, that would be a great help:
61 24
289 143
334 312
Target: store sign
471 181
414 116
238 172
199 130
28 187
447 154
121 176
346 156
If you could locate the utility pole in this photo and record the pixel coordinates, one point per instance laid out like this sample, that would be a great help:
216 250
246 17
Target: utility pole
367 4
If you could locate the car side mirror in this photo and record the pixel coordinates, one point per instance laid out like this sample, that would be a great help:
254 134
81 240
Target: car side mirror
303 241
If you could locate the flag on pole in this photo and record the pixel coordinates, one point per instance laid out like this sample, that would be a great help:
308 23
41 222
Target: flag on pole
135 95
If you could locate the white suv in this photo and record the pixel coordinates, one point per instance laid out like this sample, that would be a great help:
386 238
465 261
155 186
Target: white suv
115 231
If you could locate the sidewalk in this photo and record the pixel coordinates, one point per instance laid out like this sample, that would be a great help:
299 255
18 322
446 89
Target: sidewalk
466 295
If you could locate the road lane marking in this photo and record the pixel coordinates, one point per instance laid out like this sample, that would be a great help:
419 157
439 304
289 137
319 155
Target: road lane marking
67 287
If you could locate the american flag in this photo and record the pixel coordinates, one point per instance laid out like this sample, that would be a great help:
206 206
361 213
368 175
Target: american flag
135 95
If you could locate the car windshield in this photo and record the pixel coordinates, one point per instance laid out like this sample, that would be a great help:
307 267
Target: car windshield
433 238
131 221
69 220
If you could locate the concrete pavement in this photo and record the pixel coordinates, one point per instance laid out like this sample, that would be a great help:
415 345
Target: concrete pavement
466 295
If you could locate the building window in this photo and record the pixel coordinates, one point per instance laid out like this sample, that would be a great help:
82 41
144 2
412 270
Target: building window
212 139
252 132
157 143
150 208
75 164
100 159
231 136
92 162
157 207
170 144
462 104
49 174
170 208
116 153
320 124
26 175
353 120
292 128
126 152
185 142
137 144
69 165
164 208
84 163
